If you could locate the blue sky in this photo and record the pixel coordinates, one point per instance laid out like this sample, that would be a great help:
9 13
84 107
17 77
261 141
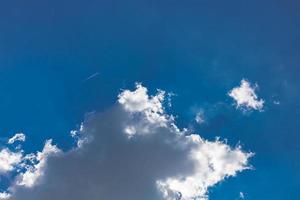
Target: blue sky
197 49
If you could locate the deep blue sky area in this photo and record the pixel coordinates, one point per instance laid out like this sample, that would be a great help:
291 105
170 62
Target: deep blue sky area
197 49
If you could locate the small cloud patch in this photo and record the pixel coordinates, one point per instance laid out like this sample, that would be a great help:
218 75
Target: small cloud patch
199 118
245 97
17 137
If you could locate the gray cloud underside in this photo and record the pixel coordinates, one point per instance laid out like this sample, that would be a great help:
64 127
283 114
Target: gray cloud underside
111 167
133 151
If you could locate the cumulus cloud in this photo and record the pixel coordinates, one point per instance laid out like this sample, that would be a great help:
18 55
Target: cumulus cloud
35 171
214 161
134 151
245 96
9 160
139 101
4 195
17 137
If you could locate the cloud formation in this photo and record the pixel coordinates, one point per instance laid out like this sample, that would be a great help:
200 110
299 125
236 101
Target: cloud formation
132 151
35 170
17 137
200 117
245 96
9 160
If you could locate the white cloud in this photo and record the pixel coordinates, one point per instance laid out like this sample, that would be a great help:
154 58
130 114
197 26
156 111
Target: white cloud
242 196
139 101
149 107
135 149
4 195
17 137
214 161
130 131
33 172
79 136
8 160
199 118
245 96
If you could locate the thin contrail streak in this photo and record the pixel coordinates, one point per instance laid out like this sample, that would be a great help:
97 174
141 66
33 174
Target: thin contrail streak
91 76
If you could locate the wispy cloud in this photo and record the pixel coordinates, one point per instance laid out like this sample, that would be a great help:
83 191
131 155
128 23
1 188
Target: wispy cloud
17 137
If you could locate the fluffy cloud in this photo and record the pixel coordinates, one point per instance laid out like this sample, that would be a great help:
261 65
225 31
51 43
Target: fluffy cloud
138 101
17 137
134 151
9 160
214 161
4 195
245 96
35 171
